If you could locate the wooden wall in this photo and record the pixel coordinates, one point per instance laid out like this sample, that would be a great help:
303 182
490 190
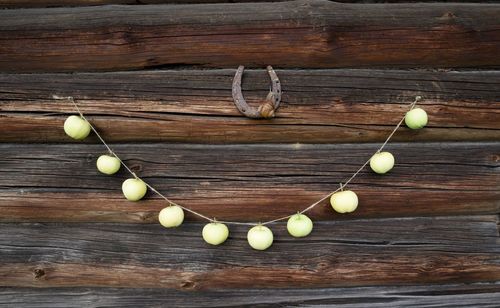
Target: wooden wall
155 78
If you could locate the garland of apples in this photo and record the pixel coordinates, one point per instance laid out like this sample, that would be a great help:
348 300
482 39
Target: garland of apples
216 232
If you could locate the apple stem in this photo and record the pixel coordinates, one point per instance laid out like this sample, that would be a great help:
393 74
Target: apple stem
341 187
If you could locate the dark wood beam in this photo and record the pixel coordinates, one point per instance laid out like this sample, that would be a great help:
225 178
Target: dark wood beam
54 182
450 296
318 106
361 253
305 33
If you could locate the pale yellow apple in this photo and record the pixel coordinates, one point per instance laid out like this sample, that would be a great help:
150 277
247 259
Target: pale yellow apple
299 225
134 189
260 237
76 127
344 201
108 164
382 162
171 216
215 233
416 118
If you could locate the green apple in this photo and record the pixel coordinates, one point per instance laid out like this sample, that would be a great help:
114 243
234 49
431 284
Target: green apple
171 216
299 225
344 201
215 233
134 189
260 237
108 164
416 118
382 162
76 127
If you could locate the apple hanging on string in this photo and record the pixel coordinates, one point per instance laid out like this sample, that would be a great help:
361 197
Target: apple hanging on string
299 225
345 201
260 237
134 189
108 164
382 162
215 233
416 118
77 127
171 216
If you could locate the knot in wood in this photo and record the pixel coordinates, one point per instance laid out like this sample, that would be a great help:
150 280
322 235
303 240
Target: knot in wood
136 167
267 109
39 273
188 285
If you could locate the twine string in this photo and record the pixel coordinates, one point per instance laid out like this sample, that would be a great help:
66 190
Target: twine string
344 184
310 207
113 153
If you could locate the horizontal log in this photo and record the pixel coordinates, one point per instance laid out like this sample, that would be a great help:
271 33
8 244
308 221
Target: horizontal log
391 251
53 182
305 33
477 295
59 3
319 106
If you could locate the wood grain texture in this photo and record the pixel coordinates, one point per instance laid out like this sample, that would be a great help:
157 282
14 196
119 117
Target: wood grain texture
477 294
426 234
306 34
319 106
59 3
54 182
391 251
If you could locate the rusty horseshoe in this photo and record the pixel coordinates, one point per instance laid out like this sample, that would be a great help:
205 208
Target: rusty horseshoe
268 108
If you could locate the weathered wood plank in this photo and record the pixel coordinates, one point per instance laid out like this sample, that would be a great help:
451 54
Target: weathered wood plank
59 3
311 34
476 295
391 251
54 182
322 106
